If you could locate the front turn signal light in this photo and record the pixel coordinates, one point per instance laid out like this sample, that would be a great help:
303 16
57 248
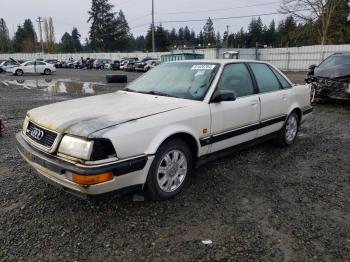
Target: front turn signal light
91 179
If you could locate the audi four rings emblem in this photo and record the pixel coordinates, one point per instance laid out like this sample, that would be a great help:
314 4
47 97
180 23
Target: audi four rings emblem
36 133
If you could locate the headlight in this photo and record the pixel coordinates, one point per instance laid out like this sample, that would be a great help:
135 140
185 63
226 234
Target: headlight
76 147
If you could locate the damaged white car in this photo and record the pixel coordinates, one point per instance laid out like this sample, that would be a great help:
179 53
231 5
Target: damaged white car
152 134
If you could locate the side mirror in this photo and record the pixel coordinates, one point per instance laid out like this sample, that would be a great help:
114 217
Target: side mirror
222 96
312 67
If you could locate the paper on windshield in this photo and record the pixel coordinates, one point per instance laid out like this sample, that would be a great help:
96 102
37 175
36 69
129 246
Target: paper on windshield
203 67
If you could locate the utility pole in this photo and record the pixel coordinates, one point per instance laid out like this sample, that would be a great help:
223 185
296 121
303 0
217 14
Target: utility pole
41 34
153 38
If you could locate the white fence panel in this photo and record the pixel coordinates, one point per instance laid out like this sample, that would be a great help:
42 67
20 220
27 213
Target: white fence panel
289 59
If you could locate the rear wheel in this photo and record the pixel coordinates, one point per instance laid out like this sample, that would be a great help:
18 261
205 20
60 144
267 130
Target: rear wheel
19 72
289 131
170 170
47 71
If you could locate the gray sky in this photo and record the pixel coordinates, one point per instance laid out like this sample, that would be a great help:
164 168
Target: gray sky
69 13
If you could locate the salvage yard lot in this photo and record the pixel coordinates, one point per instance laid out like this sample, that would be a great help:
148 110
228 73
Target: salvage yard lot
264 203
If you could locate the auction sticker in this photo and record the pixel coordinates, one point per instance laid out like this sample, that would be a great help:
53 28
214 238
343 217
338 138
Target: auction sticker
203 67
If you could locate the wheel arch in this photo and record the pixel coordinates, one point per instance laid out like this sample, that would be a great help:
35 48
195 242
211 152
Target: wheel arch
298 111
188 138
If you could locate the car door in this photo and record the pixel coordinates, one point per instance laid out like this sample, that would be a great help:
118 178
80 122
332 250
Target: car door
235 122
29 67
274 99
40 67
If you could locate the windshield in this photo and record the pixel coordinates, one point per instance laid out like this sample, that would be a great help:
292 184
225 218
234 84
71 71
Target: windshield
334 61
183 80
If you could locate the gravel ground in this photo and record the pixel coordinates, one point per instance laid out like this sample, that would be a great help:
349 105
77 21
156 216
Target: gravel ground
264 203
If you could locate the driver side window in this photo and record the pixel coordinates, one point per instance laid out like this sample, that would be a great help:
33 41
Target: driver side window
236 78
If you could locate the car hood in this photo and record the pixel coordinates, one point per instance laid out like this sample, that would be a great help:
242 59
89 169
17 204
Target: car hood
339 71
84 116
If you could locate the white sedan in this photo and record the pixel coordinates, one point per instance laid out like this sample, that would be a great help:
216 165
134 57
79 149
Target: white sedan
152 134
33 67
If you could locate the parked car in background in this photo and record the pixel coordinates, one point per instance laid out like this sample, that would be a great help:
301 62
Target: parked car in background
123 64
115 65
7 64
144 66
33 67
152 134
70 63
59 64
101 63
331 78
51 61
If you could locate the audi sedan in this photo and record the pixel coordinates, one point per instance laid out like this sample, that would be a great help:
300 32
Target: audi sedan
152 134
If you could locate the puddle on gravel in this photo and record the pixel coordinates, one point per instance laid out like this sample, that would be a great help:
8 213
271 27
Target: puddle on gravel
56 87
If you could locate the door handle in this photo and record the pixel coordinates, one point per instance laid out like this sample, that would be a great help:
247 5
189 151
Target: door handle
254 102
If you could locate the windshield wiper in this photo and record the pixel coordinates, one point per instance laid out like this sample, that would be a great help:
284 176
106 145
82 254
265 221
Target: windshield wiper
129 90
158 93
152 92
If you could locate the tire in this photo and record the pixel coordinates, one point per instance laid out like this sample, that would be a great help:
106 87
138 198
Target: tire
116 78
47 71
102 67
19 72
289 131
1 70
163 186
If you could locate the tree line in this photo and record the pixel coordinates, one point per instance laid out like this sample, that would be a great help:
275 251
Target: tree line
306 23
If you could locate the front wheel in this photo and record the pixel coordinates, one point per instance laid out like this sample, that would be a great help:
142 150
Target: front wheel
170 170
19 72
289 131
47 71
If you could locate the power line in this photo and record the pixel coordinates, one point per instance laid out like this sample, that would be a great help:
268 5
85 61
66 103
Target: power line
213 19
217 10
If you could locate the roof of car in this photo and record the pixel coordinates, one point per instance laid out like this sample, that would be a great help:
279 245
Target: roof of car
342 53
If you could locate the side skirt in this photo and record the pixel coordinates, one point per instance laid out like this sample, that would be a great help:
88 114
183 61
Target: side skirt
229 151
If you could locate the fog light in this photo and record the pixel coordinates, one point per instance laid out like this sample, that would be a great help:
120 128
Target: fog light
93 179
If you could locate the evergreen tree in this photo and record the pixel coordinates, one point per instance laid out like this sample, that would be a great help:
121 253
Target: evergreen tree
173 37
271 34
67 44
103 23
218 39
161 36
255 32
76 40
209 33
29 40
181 36
18 39
201 39
187 36
4 37
193 39
140 43
122 34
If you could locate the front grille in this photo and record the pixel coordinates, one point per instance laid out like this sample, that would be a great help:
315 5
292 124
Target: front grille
40 135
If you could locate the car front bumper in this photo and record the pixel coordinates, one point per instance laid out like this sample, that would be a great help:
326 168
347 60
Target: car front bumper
129 174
